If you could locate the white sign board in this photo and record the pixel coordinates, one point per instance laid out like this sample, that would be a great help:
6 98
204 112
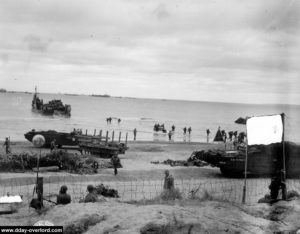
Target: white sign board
10 199
264 130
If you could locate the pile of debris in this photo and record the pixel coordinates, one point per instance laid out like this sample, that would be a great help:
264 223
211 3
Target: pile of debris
193 160
106 191
212 157
174 163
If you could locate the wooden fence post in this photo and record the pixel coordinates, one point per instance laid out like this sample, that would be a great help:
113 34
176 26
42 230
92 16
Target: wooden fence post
100 135
40 189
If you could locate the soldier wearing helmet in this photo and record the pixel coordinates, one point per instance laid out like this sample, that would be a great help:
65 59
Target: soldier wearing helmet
91 196
63 198
7 145
168 181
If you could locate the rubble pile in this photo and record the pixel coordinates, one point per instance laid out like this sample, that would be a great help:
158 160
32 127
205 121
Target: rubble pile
212 157
196 159
106 191
174 163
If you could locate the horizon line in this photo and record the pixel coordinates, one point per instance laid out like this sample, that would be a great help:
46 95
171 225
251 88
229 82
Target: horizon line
162 99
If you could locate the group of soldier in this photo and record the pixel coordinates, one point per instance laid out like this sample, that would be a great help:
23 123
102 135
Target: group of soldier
63 198
109 119
234 136
159 127
231 135
189 130
238 138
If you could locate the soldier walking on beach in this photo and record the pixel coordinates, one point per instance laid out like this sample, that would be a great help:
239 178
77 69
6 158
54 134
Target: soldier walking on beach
230 134
224 135
241 137
168 181
134 134
108 120
184 130
235 144
173 128
170 135
115 160
7 145
207 134
189 130
235 134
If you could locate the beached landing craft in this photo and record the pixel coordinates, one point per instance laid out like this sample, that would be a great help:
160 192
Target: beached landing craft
53 107
263 160
62 138
96 145
101 146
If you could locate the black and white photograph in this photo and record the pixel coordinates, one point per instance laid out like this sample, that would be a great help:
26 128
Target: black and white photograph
150 116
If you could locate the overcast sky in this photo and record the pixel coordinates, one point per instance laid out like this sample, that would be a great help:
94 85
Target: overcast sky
208 50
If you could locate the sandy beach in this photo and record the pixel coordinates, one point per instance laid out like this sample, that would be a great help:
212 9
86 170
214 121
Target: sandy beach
136 161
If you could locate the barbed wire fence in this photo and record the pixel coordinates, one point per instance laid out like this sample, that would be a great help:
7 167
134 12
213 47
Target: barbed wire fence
224 189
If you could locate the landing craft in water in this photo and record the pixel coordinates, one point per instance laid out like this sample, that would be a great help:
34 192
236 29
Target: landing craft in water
50 108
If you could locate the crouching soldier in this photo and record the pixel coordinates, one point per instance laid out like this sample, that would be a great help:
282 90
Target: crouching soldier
91 196
63 198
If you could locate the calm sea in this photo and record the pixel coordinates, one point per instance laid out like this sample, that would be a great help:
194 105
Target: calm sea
16 117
